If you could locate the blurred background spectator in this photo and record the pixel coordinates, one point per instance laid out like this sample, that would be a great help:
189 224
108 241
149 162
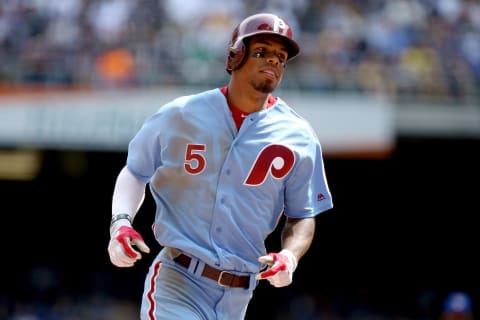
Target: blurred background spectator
457 306
407 49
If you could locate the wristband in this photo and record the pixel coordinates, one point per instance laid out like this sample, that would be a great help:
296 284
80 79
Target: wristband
120 216
291 257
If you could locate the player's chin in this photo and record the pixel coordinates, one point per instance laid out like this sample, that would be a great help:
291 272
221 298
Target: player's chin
266 86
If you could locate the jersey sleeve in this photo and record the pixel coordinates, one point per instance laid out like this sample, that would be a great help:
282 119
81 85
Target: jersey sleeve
144 148
307 190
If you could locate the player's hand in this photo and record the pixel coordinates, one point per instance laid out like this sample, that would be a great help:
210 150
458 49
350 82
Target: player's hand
120 249
280 269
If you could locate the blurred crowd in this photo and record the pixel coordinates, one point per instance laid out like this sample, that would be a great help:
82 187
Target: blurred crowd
423 49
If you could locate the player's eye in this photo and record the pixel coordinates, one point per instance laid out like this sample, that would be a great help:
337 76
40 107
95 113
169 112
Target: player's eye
258 54
282 58
261 53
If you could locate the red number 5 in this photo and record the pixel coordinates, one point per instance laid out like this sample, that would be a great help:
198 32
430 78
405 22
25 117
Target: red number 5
194 161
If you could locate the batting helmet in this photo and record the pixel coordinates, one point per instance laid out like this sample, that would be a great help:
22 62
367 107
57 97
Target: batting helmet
261 23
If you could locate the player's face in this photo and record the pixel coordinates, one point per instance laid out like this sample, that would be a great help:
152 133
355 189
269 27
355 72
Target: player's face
264 62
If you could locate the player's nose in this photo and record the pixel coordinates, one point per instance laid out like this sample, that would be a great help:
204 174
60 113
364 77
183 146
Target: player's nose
274 59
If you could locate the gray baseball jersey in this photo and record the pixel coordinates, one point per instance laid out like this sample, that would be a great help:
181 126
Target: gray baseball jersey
220 191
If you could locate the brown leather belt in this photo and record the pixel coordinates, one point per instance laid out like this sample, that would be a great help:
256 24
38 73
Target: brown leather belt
223 278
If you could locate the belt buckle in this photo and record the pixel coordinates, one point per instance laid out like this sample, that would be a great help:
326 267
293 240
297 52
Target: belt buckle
219 280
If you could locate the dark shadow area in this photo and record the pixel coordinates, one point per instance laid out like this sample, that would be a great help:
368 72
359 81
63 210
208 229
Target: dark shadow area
402 234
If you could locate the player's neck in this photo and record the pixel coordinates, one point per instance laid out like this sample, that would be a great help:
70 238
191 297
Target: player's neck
247 101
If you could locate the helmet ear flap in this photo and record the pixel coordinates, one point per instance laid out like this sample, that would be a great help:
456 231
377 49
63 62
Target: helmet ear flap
235 57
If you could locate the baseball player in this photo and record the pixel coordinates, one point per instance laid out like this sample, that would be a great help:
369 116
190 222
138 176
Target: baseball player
223 166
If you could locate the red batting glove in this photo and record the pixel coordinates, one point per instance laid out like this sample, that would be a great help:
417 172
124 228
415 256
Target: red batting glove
281 268
120 247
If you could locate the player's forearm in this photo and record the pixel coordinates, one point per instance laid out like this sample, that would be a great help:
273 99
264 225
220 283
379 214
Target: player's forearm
128 194
297 235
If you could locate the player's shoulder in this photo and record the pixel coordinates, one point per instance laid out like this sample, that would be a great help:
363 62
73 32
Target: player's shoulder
293 117
290 112
199 98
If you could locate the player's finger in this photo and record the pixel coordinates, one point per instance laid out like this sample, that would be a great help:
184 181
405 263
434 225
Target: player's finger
127 247
141 245
271 272
119 258
267 260
265 275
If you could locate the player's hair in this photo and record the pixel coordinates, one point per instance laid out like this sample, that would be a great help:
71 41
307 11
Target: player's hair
261 23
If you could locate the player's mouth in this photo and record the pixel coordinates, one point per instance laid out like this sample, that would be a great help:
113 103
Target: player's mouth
270 73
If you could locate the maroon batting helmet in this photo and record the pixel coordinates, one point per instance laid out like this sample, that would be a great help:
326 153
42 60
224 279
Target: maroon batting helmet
261 23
